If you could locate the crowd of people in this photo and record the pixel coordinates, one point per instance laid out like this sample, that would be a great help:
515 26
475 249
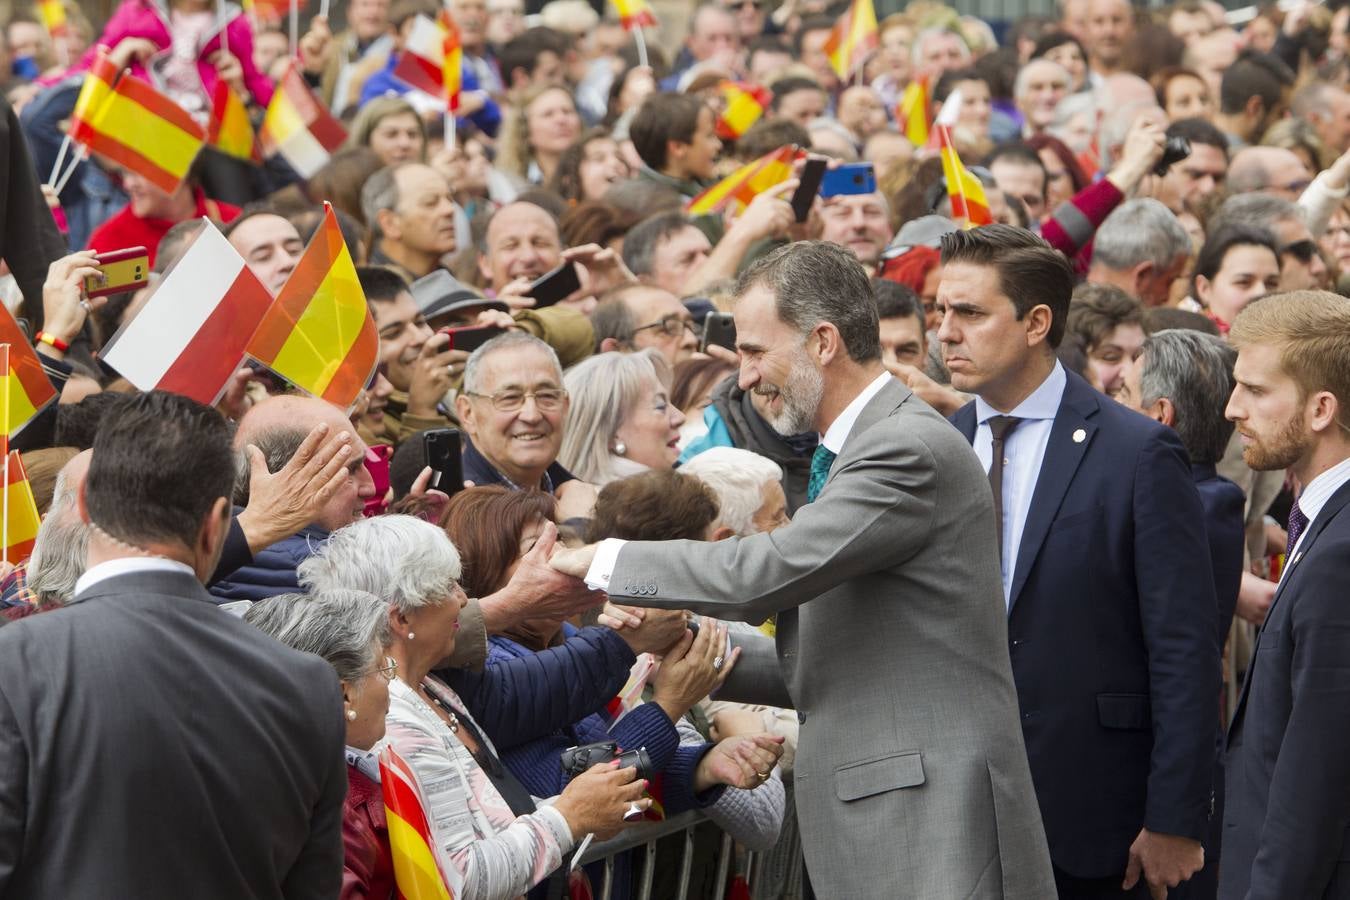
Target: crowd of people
923 560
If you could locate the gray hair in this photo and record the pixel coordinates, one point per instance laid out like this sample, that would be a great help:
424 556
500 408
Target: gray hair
401 559
819 281
60 549
1194 371
349 629
916 52
737 477
1020 84
1073 105
639 245
1257 210
1139 231
603 389
512 340
277 445
380 192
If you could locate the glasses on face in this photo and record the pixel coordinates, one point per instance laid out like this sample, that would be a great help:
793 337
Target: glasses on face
671 326
1304 250
745 4
389 670
545 399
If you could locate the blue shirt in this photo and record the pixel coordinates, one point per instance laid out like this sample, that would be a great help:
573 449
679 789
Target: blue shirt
383 83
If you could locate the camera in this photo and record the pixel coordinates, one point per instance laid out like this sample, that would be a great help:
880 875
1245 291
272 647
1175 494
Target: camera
1174 151
576 760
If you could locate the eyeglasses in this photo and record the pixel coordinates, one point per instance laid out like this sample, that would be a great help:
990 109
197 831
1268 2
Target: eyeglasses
742 4
545 399
1305 250
671 326
390 668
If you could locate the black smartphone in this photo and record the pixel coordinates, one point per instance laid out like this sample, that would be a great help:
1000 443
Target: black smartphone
443 455
807 188
719 329
469 338
557 285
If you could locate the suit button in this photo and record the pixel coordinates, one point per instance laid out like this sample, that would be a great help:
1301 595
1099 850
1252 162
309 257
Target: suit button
651 587
801 718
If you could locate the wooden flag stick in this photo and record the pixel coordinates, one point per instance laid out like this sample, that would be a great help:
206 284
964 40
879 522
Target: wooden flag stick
641 46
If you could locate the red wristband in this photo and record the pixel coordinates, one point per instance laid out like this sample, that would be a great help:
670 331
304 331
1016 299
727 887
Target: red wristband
52 341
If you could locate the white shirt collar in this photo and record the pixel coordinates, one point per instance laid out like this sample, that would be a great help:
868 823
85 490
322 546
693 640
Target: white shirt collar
838 431
1042 403
1320 489
125 565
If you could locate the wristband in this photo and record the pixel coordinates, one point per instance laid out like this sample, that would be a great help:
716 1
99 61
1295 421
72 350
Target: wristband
52 340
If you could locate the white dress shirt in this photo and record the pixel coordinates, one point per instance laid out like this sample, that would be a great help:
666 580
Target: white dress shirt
125 565
1023 453
1314 497
607 553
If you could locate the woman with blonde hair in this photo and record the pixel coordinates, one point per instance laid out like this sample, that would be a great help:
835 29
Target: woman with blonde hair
391 128
537 134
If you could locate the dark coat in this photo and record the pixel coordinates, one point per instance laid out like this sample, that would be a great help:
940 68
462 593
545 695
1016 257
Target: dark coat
272 570
29 239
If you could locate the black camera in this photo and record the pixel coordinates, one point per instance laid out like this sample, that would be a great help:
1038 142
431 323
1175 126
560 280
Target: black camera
576 760
1174 151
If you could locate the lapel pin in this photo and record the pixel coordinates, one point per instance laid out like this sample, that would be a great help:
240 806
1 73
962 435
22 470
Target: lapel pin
1079 436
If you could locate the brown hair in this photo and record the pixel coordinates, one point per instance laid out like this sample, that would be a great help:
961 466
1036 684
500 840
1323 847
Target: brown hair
1098 309
660 505
485 524
595 222
341 179
1311 329
695 377
42 467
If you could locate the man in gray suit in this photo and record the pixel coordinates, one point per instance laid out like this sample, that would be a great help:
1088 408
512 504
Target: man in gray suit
151 745
911 776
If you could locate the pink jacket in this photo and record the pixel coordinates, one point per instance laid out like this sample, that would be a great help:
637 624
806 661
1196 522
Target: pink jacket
150 20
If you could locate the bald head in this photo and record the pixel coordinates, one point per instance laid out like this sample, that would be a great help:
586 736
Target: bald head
1270 170
68 483
1126 89
291 413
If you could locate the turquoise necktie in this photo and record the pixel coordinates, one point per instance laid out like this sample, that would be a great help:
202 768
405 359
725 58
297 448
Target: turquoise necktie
821 461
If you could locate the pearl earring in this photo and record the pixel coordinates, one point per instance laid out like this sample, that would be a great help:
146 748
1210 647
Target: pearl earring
411 635
620 448
351 714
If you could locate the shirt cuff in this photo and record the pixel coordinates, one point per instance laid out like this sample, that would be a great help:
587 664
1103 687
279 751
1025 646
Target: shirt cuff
602 566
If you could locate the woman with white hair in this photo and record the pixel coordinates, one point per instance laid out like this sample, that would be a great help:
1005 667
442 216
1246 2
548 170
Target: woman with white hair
488 825
620 421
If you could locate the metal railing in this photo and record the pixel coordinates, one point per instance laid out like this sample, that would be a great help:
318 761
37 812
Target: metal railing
646 837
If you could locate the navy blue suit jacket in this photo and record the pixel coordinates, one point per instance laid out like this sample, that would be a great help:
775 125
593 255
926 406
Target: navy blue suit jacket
1225 510
1287 819
1112 635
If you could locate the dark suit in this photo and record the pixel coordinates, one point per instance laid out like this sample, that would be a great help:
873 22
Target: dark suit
1287 823
1112 635
156 747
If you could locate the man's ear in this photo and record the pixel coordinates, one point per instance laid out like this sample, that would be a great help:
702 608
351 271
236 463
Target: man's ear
609 344
1143 275
1163 411
676 152
1255 108
721 533
82 502
1038 320
388 222
485 272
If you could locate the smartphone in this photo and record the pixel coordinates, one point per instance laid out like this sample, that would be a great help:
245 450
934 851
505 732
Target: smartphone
808 187
557 285
443 455
470 337
123 270
719 329
854 178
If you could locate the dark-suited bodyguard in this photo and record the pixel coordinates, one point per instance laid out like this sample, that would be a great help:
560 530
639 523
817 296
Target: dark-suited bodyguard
1111 622
911 778
153 745
1287 821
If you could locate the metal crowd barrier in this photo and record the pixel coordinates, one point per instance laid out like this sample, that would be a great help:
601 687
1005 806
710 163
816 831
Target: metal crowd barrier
646 836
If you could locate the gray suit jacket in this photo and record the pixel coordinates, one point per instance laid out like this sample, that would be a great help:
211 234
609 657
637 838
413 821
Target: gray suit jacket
911 775
152 746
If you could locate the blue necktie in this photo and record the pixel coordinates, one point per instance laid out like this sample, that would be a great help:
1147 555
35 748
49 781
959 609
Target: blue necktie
821 461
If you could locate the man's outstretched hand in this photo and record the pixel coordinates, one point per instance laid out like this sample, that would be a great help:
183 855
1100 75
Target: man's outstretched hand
538 589
574 562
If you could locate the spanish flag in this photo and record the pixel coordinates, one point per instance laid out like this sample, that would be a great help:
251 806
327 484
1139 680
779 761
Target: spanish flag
743 185
433 58
298 127
745 103
854 36
452 61
230 130
20 513
970 207
53 15
138 127
319 334
912 113
26 388
97 87
635 14
418 873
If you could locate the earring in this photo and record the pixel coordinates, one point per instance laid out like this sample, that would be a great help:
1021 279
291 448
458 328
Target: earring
411 635
620 448
351 715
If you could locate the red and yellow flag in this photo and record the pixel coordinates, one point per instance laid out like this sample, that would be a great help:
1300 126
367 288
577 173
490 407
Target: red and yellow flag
26 390
970 206
433 58
18 508
743 185
452 61
53 15
854 36
912 113
230 131
745 103
635 14
97 87
319 333
418 873
298 127
138 127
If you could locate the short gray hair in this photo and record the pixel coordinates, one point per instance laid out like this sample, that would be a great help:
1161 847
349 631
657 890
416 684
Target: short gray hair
349 629
1020 83
603 389
380 192
1194 371
1073 105
819 281
277 445
1139 231
737 477
59 551
1255 209
512 340
401 559
916 52
641 241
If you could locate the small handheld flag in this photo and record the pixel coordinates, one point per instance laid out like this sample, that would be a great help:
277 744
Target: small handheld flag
635 14
230 130
743 185
418 872
745 104
970 206
298 127
854 36
27 391
912 112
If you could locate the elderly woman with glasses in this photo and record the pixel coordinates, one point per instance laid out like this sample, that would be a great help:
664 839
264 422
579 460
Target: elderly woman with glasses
499 842
350 630
621 421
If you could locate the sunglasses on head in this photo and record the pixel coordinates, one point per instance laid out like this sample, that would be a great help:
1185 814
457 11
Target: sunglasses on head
1305 250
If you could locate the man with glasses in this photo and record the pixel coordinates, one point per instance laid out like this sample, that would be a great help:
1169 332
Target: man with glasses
1270 170
750 17
640 316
